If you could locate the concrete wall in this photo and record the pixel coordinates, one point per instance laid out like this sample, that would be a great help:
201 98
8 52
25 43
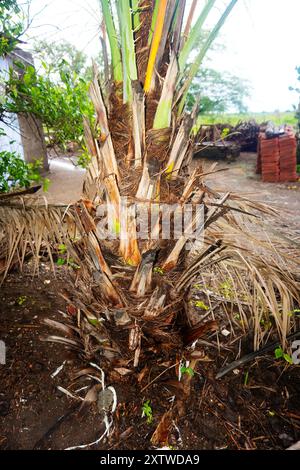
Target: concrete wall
33 140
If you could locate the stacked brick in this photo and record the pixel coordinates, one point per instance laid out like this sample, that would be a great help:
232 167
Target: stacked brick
288 157
277 158
269 157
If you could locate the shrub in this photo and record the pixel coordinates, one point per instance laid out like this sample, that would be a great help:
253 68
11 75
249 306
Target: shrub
15 173
60 106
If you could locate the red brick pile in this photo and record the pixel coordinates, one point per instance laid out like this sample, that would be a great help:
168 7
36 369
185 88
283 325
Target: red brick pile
288 157
277 158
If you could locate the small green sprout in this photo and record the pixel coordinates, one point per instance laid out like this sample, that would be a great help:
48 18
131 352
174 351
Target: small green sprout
246 378
226 289
200 304
147 412
62 249
158 270
197 286
187 370
279 353
72 263
266 324
21 300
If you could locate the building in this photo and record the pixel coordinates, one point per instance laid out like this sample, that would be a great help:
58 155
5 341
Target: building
23 132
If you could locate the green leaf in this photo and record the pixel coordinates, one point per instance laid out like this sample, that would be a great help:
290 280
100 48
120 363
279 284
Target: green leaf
113 41
46 184
21 300
187 370
202 53
278 353
200 304
195 34
158 270
147 411
288 358
225 133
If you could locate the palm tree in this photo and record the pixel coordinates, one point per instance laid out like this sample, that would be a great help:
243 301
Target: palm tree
139 300
141 148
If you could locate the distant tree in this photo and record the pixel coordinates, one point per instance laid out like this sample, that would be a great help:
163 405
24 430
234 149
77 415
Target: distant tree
219 92
298 108
60 57
298 78
11 26
297 112
297 90
63 57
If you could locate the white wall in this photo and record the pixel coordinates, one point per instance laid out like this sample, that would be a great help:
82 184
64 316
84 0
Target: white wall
12 141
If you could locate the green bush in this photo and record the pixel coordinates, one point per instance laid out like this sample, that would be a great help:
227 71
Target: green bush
11 26
59 105
15 173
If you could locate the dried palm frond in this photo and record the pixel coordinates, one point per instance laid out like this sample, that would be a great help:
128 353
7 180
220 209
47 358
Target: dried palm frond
27 227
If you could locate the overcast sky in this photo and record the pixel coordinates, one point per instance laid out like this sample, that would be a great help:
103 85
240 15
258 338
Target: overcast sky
261 39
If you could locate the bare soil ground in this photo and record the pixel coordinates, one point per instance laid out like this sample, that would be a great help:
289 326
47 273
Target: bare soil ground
240 176
255 407
30 403
66 181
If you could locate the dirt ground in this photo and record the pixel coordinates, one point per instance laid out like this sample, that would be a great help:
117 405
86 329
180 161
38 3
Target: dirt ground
254 407
240 176
65 181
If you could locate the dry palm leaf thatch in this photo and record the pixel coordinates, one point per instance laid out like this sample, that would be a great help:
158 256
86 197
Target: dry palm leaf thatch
131 292
29 226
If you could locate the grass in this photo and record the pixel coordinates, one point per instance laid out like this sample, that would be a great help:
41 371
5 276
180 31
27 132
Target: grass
278 118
